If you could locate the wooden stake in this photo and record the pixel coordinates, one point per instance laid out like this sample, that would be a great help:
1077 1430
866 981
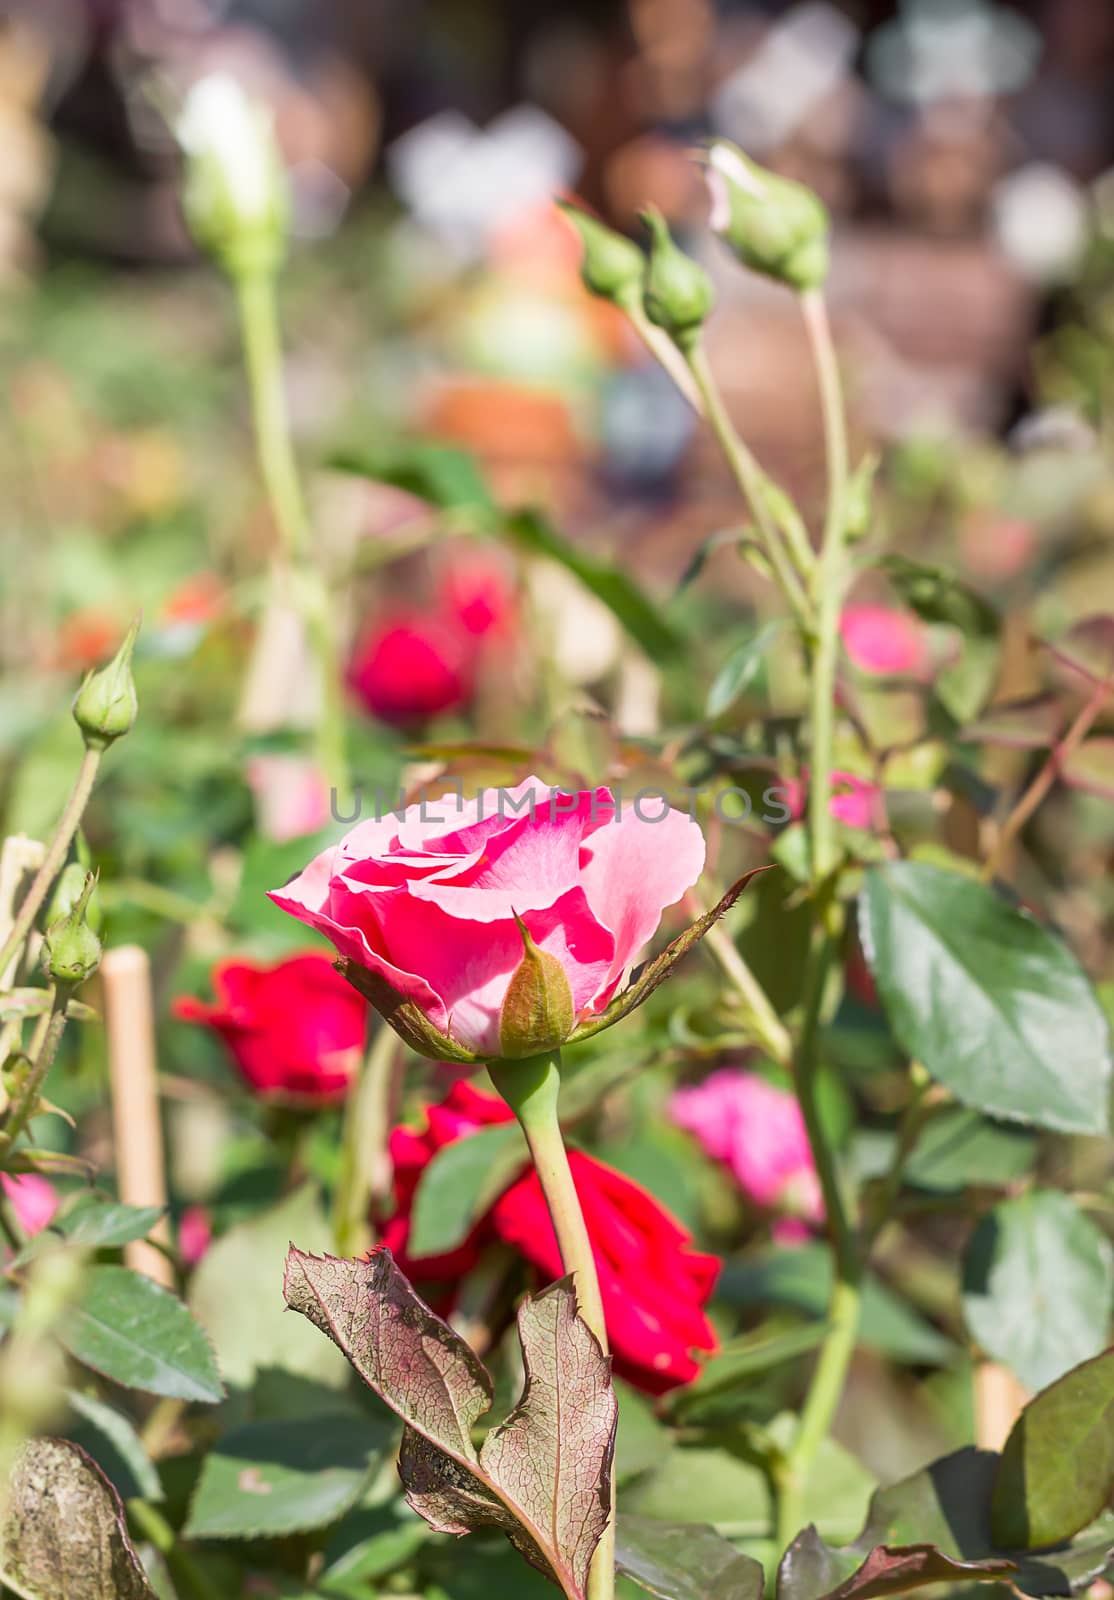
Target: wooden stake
998 1399
136 1126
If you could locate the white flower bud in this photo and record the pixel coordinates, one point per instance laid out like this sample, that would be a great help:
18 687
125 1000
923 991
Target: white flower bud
234 193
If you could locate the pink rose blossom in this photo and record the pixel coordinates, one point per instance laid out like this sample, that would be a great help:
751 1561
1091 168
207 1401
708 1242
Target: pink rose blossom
854 800
757 1130
428 900
884 641
33 1199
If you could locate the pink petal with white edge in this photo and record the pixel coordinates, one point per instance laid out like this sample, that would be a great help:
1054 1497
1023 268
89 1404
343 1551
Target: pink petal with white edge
631 870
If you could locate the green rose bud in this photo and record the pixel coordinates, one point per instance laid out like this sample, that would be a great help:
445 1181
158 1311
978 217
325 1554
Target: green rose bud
106 705
611 267
537 1012
234 193
677 293
71 950
774 225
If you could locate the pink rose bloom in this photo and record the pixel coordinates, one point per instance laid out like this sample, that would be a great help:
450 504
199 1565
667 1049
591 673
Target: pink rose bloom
427 901
884 641
758 1131
290 795
33 1200
475 593
854 801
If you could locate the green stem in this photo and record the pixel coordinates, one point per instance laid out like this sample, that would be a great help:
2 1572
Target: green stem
56 854
760 1017
259 324
830 1372
365 1162
44 1047
830 586
752 485
531 1088
187 1575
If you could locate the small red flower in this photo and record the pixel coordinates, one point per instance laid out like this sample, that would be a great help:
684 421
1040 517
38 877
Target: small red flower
654 1285
411 666
295 1029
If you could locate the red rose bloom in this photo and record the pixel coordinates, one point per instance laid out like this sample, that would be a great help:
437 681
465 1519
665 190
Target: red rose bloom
654 1286
410 667
295 1029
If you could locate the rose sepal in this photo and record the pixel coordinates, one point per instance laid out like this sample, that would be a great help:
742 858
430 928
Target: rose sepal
408 1020
657 970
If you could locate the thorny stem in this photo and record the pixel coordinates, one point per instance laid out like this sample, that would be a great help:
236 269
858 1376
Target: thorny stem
55 856
753 487
259 325
1045 778
531 1088
44 1047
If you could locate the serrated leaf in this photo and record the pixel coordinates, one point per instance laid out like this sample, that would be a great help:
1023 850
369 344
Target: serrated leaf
887 1569
946 1505
656 971
740 670
265 1480
994 1005
130 1329
94 1223
1057 1468
542 1477
110 1439
1038 1286
64 1532
685 1561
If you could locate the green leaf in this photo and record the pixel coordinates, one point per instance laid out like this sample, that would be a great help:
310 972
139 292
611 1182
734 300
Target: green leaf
802 1278
93 1223
265 1480
130 1329
1090 767
619 593
443 474
1038 1286
994 1005
244 1268
542 1476
1030 724
735 1368
1057 1468
685 1561
959 1147
460 1184
641 1442
110 1439
64 1532
740 669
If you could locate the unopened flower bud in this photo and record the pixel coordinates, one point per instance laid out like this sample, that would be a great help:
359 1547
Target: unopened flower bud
234 194
774 225
538 1012
71 950
611 266
106 705
677 293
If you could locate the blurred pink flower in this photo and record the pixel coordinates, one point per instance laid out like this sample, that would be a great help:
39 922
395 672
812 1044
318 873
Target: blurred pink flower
854 800
757 1130
195 1234
291 798
881 640
33 1199
411 666
475 593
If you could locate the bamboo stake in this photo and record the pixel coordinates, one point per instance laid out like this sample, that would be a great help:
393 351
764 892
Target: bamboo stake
136 1126
999 1398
